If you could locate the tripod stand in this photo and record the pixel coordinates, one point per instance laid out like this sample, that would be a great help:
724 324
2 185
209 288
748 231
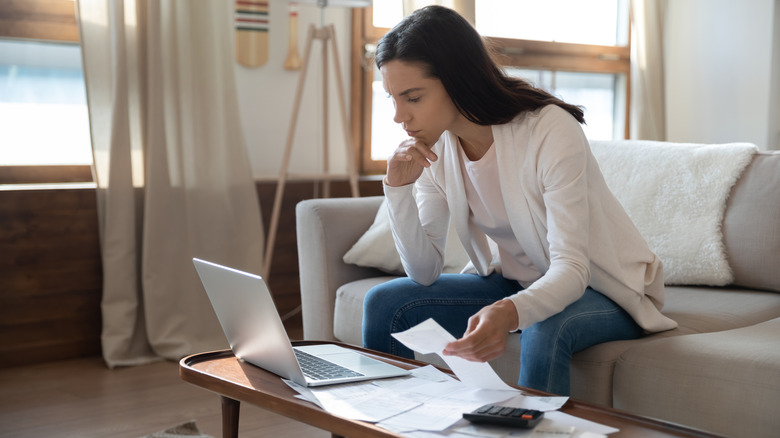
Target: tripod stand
325 34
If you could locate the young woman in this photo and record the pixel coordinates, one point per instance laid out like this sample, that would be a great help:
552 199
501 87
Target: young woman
553 254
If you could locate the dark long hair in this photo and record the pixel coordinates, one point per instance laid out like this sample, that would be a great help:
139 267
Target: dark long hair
450 49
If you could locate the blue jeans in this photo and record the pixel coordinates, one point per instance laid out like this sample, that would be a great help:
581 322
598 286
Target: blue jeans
546 346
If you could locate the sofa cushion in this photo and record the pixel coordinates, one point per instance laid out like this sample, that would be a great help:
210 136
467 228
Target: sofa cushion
348 312
695 379
706 309
751 225
696 310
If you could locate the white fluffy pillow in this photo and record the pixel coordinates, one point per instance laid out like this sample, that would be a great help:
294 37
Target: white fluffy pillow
676 195
376 249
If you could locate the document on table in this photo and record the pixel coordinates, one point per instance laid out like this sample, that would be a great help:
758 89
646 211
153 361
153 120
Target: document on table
427 400
429 337
431 403
445 402
359 401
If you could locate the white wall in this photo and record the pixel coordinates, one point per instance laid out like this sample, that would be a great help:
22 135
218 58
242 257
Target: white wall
722 61
266 96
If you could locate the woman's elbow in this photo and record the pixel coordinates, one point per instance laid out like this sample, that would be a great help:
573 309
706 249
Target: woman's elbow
424 277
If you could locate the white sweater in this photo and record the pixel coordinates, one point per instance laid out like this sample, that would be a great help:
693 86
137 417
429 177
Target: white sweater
560 210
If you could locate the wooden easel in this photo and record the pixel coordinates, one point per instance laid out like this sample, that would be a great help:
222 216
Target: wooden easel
325 34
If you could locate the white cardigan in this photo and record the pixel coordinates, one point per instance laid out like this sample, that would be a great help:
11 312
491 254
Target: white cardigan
560 209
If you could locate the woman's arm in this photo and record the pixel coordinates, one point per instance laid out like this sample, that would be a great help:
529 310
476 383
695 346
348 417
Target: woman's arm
419 223
560 149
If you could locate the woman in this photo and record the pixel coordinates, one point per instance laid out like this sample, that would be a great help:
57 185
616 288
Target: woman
552 252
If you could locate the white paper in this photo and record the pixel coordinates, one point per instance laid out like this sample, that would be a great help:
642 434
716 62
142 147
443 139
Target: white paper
429 337
445 403
363 401
544 404
304 393
545 429
581 425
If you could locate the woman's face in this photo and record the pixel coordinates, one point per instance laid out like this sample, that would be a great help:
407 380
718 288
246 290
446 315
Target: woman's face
422 105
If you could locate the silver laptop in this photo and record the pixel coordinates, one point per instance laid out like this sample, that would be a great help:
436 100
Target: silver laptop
251 323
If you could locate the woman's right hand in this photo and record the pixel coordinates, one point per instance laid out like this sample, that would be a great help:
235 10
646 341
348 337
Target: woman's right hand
407 162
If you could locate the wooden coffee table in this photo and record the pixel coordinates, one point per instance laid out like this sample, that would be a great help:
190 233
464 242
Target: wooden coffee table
237 381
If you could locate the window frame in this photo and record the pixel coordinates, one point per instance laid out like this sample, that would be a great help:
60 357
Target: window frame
41 20
529 54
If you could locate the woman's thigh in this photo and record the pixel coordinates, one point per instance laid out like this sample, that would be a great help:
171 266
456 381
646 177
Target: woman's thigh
547 346
401 303
591 320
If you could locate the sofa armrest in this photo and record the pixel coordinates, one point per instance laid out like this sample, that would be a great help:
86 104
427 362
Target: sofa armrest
326 230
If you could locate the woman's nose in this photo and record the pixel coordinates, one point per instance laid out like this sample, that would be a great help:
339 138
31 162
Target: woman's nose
400 115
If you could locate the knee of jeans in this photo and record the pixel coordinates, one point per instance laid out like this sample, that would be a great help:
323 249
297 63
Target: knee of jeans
373 300
544 333
538 331
386 296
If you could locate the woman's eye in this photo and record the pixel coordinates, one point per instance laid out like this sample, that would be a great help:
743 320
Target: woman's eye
413 99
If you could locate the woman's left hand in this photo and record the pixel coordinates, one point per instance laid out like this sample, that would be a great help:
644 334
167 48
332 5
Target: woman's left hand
486 334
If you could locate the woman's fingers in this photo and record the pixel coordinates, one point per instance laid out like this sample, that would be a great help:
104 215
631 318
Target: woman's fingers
407 162
416 150
487 333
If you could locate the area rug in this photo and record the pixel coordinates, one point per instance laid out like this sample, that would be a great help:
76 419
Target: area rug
188 428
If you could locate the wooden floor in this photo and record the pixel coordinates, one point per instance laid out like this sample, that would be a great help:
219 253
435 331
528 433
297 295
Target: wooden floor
83 398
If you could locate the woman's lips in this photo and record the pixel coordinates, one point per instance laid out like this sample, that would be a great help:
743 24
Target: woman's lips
412 133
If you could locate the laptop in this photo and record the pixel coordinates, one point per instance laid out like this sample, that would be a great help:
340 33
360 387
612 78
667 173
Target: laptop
253 328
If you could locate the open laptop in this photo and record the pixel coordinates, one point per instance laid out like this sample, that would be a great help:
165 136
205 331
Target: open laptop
251 323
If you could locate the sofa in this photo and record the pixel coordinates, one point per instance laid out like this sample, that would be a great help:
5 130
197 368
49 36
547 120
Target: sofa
718 371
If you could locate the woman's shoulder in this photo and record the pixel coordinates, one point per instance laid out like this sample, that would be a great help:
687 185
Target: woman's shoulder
539 123
549 130
545 114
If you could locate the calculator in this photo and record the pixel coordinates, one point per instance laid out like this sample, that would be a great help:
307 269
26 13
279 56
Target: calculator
505 415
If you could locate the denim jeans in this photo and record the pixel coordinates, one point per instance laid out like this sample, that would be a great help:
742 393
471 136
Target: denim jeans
546 346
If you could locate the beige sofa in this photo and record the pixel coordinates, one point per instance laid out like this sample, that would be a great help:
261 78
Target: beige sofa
718 371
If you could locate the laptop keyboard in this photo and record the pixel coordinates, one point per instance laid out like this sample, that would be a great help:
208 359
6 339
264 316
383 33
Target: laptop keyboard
316 368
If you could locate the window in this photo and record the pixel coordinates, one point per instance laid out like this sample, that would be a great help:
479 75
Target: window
44 123
577 50
43 106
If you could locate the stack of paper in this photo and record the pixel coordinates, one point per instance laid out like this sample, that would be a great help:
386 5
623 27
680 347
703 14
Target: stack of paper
430 403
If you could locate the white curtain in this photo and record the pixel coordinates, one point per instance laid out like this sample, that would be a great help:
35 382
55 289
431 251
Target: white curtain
648 113
172 170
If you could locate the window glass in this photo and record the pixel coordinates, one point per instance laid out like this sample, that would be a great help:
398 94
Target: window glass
387 13
43 107
385 133
602 96
602 22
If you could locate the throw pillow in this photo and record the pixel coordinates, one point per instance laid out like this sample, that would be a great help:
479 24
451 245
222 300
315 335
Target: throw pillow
676 195
376 248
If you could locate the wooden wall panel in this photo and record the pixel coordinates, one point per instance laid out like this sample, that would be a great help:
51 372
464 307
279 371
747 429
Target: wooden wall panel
51 276
39 19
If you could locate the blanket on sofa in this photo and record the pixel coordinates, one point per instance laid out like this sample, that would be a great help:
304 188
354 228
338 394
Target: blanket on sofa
676 195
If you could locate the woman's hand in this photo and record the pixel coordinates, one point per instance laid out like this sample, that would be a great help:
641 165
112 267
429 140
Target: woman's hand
487 333
407 162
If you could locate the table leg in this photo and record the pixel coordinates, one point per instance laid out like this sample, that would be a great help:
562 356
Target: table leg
230 411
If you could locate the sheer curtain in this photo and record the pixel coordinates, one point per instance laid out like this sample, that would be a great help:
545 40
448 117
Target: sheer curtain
648 102
171 168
